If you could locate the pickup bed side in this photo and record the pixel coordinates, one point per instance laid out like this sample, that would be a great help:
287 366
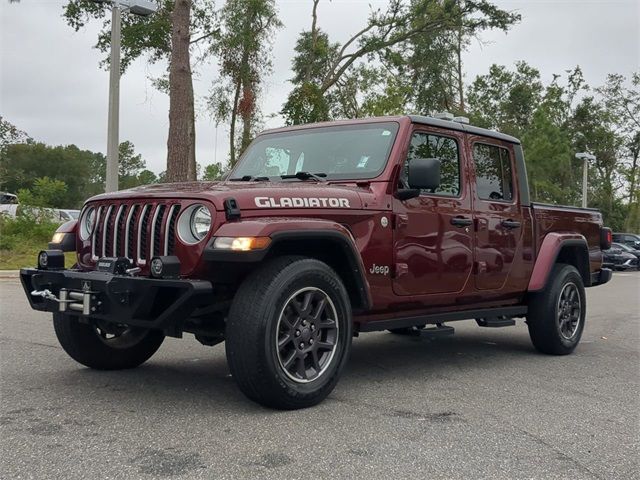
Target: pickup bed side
565 235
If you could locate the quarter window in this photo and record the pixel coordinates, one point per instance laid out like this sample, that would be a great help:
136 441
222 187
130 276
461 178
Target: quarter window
494 177
445 149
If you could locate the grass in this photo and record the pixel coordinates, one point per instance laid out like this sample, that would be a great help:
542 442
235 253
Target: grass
21 239
26 255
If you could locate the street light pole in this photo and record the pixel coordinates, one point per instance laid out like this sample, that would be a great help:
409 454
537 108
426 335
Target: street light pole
143 8
585 157
113 142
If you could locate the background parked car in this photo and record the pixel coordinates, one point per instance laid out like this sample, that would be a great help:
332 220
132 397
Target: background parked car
618 259
55 215
630 239
629 250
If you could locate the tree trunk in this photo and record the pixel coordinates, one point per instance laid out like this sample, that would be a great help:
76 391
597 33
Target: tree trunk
459 73
232 130
181 157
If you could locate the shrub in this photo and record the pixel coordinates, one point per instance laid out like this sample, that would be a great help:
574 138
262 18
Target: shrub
25 230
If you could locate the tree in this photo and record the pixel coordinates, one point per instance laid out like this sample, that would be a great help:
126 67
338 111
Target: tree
326 74
45 192
11 135
505 100
621 98
169 35
213 172
244 51
22 164
131 169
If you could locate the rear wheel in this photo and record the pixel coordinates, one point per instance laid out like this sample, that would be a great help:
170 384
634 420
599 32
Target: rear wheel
288 333
105 346
557 314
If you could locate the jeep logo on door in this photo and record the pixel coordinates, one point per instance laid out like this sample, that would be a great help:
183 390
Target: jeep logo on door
302 202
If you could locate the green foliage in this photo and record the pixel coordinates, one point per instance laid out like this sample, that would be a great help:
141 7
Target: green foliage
306 104
22 164
10 134
142 36
417 45
505 100
25 228
45 192
560 119
243 48
65 176
213 172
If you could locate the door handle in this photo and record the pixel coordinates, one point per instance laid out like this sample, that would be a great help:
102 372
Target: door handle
510 224
461 221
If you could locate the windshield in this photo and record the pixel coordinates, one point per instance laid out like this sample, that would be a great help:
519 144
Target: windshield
340 152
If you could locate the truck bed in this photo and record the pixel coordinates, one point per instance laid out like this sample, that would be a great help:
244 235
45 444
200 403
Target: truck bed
562 219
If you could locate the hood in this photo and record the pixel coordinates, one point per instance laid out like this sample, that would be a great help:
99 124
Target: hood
251 195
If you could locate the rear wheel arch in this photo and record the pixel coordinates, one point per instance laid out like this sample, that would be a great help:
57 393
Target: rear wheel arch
560 249
576 254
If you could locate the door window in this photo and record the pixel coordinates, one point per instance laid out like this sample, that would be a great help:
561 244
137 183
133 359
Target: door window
494 178
445 149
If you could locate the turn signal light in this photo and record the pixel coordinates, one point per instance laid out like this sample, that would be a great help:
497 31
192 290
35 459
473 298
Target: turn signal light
241 244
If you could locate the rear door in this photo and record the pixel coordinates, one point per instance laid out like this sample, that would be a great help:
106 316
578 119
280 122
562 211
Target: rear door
498 217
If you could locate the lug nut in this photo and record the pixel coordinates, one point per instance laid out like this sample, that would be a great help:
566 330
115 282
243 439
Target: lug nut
297 333
301 345
311 341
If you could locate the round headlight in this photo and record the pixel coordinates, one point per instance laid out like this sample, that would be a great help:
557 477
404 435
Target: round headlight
194 223
87 223
200 222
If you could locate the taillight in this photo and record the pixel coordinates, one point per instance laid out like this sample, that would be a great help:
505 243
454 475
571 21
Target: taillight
606 237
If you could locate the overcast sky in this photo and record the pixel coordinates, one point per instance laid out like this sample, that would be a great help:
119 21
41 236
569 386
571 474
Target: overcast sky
51 86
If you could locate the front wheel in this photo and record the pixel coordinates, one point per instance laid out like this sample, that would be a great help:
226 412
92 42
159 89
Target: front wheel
105 346
288 333
557 314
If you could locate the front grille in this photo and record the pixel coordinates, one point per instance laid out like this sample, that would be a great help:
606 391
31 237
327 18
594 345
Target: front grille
137 231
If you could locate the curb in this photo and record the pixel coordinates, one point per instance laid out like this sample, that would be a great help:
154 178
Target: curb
9 273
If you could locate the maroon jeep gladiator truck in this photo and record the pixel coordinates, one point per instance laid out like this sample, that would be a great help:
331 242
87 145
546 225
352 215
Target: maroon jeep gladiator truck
319 233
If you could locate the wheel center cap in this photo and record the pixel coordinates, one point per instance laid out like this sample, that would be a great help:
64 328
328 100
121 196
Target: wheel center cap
305 335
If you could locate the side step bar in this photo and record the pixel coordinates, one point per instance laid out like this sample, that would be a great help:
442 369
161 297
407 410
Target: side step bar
440 318
496 322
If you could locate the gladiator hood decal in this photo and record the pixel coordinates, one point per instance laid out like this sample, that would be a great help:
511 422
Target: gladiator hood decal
252 195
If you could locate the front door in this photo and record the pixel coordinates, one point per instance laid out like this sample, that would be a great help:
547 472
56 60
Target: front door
433 232
498 216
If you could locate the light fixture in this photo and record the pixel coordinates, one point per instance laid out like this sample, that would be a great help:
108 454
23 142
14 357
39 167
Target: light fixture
241 244
51 260
165 267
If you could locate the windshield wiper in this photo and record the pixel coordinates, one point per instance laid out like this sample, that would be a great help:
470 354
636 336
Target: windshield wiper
306 176
248 178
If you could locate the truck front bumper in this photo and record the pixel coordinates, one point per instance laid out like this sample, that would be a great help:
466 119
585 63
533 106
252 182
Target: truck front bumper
136 301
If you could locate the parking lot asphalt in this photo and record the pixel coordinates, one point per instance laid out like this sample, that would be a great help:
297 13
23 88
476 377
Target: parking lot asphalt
479 404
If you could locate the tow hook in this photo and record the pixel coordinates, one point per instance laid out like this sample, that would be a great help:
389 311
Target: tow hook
84 302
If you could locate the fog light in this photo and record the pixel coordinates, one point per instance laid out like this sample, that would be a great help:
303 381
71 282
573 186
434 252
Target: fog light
51 260
156 267
165 267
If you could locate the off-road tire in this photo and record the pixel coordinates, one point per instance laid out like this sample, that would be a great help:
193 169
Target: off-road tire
546 316
84 343
253 333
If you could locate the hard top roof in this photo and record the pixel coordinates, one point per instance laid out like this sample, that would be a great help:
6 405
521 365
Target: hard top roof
462 127
421 119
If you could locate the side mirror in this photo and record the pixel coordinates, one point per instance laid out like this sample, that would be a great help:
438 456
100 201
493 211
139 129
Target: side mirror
424 174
